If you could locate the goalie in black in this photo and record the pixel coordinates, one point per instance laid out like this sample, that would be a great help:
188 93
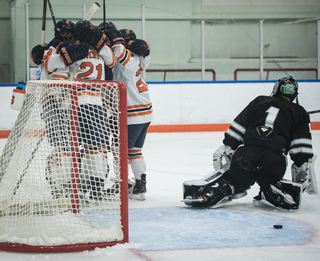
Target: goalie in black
254 151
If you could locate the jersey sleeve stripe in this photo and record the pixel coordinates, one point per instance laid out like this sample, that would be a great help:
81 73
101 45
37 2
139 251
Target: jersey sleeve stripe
124 57
301 142
300 150
139 106
139 113
111 65
234 135
59 76
238 127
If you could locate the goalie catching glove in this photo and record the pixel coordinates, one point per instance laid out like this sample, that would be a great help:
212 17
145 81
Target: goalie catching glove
72 52
140 47
222 157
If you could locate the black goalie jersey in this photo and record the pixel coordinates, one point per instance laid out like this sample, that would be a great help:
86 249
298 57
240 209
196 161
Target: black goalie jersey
288 121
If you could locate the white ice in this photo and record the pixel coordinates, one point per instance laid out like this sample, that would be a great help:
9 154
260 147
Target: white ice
163 228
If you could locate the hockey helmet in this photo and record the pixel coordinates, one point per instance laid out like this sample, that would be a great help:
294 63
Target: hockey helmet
64 30
128 35
287 87
108 25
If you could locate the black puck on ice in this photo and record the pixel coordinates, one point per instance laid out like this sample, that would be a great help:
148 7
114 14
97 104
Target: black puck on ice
277 226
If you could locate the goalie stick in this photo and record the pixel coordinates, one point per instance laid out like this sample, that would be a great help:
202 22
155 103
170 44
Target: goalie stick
93 9
311 112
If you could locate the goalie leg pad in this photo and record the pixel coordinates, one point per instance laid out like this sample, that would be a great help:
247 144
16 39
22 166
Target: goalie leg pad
212 190
285 195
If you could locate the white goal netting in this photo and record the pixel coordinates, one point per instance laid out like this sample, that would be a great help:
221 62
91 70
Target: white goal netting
64 165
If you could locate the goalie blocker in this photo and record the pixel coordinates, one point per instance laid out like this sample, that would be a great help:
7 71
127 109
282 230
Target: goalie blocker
306 176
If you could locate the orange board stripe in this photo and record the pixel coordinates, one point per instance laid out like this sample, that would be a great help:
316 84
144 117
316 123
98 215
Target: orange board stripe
4 134
188 128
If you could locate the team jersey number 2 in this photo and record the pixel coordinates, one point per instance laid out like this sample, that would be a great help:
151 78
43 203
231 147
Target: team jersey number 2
142 87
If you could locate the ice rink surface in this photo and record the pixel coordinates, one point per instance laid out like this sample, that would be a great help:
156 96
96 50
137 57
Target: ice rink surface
163 228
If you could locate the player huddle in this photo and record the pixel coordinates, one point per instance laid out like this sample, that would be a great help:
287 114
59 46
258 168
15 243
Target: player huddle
82 50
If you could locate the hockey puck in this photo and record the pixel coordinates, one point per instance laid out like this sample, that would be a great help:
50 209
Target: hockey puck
277 226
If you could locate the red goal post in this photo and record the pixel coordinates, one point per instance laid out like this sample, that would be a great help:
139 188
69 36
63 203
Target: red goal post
63 170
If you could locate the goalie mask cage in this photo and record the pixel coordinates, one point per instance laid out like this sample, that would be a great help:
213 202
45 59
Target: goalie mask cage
63 170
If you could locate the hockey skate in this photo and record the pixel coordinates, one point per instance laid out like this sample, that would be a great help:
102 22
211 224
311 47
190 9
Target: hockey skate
112 187
137 188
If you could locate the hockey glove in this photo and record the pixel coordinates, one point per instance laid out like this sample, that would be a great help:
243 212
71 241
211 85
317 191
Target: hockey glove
94 38
300 174
222 157
71 52
140 47
115 37
37 54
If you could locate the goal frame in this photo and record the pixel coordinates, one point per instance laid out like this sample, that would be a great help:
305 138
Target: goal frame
124 205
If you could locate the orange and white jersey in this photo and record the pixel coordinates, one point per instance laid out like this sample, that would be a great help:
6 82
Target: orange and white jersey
53 67
92 67
128 70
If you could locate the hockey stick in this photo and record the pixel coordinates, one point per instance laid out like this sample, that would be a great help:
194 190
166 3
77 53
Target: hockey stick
52 13
311 112
28 164
44 16
104 16
93 9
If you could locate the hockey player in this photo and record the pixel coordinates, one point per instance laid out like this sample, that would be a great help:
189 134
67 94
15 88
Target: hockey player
87 62
61 52
103 27
255 148
133 56
92 116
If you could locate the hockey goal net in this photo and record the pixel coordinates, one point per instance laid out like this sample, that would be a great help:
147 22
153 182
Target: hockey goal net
63 170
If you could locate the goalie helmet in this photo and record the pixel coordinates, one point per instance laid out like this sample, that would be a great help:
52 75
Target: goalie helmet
64 29
287 87
128 35
108 25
